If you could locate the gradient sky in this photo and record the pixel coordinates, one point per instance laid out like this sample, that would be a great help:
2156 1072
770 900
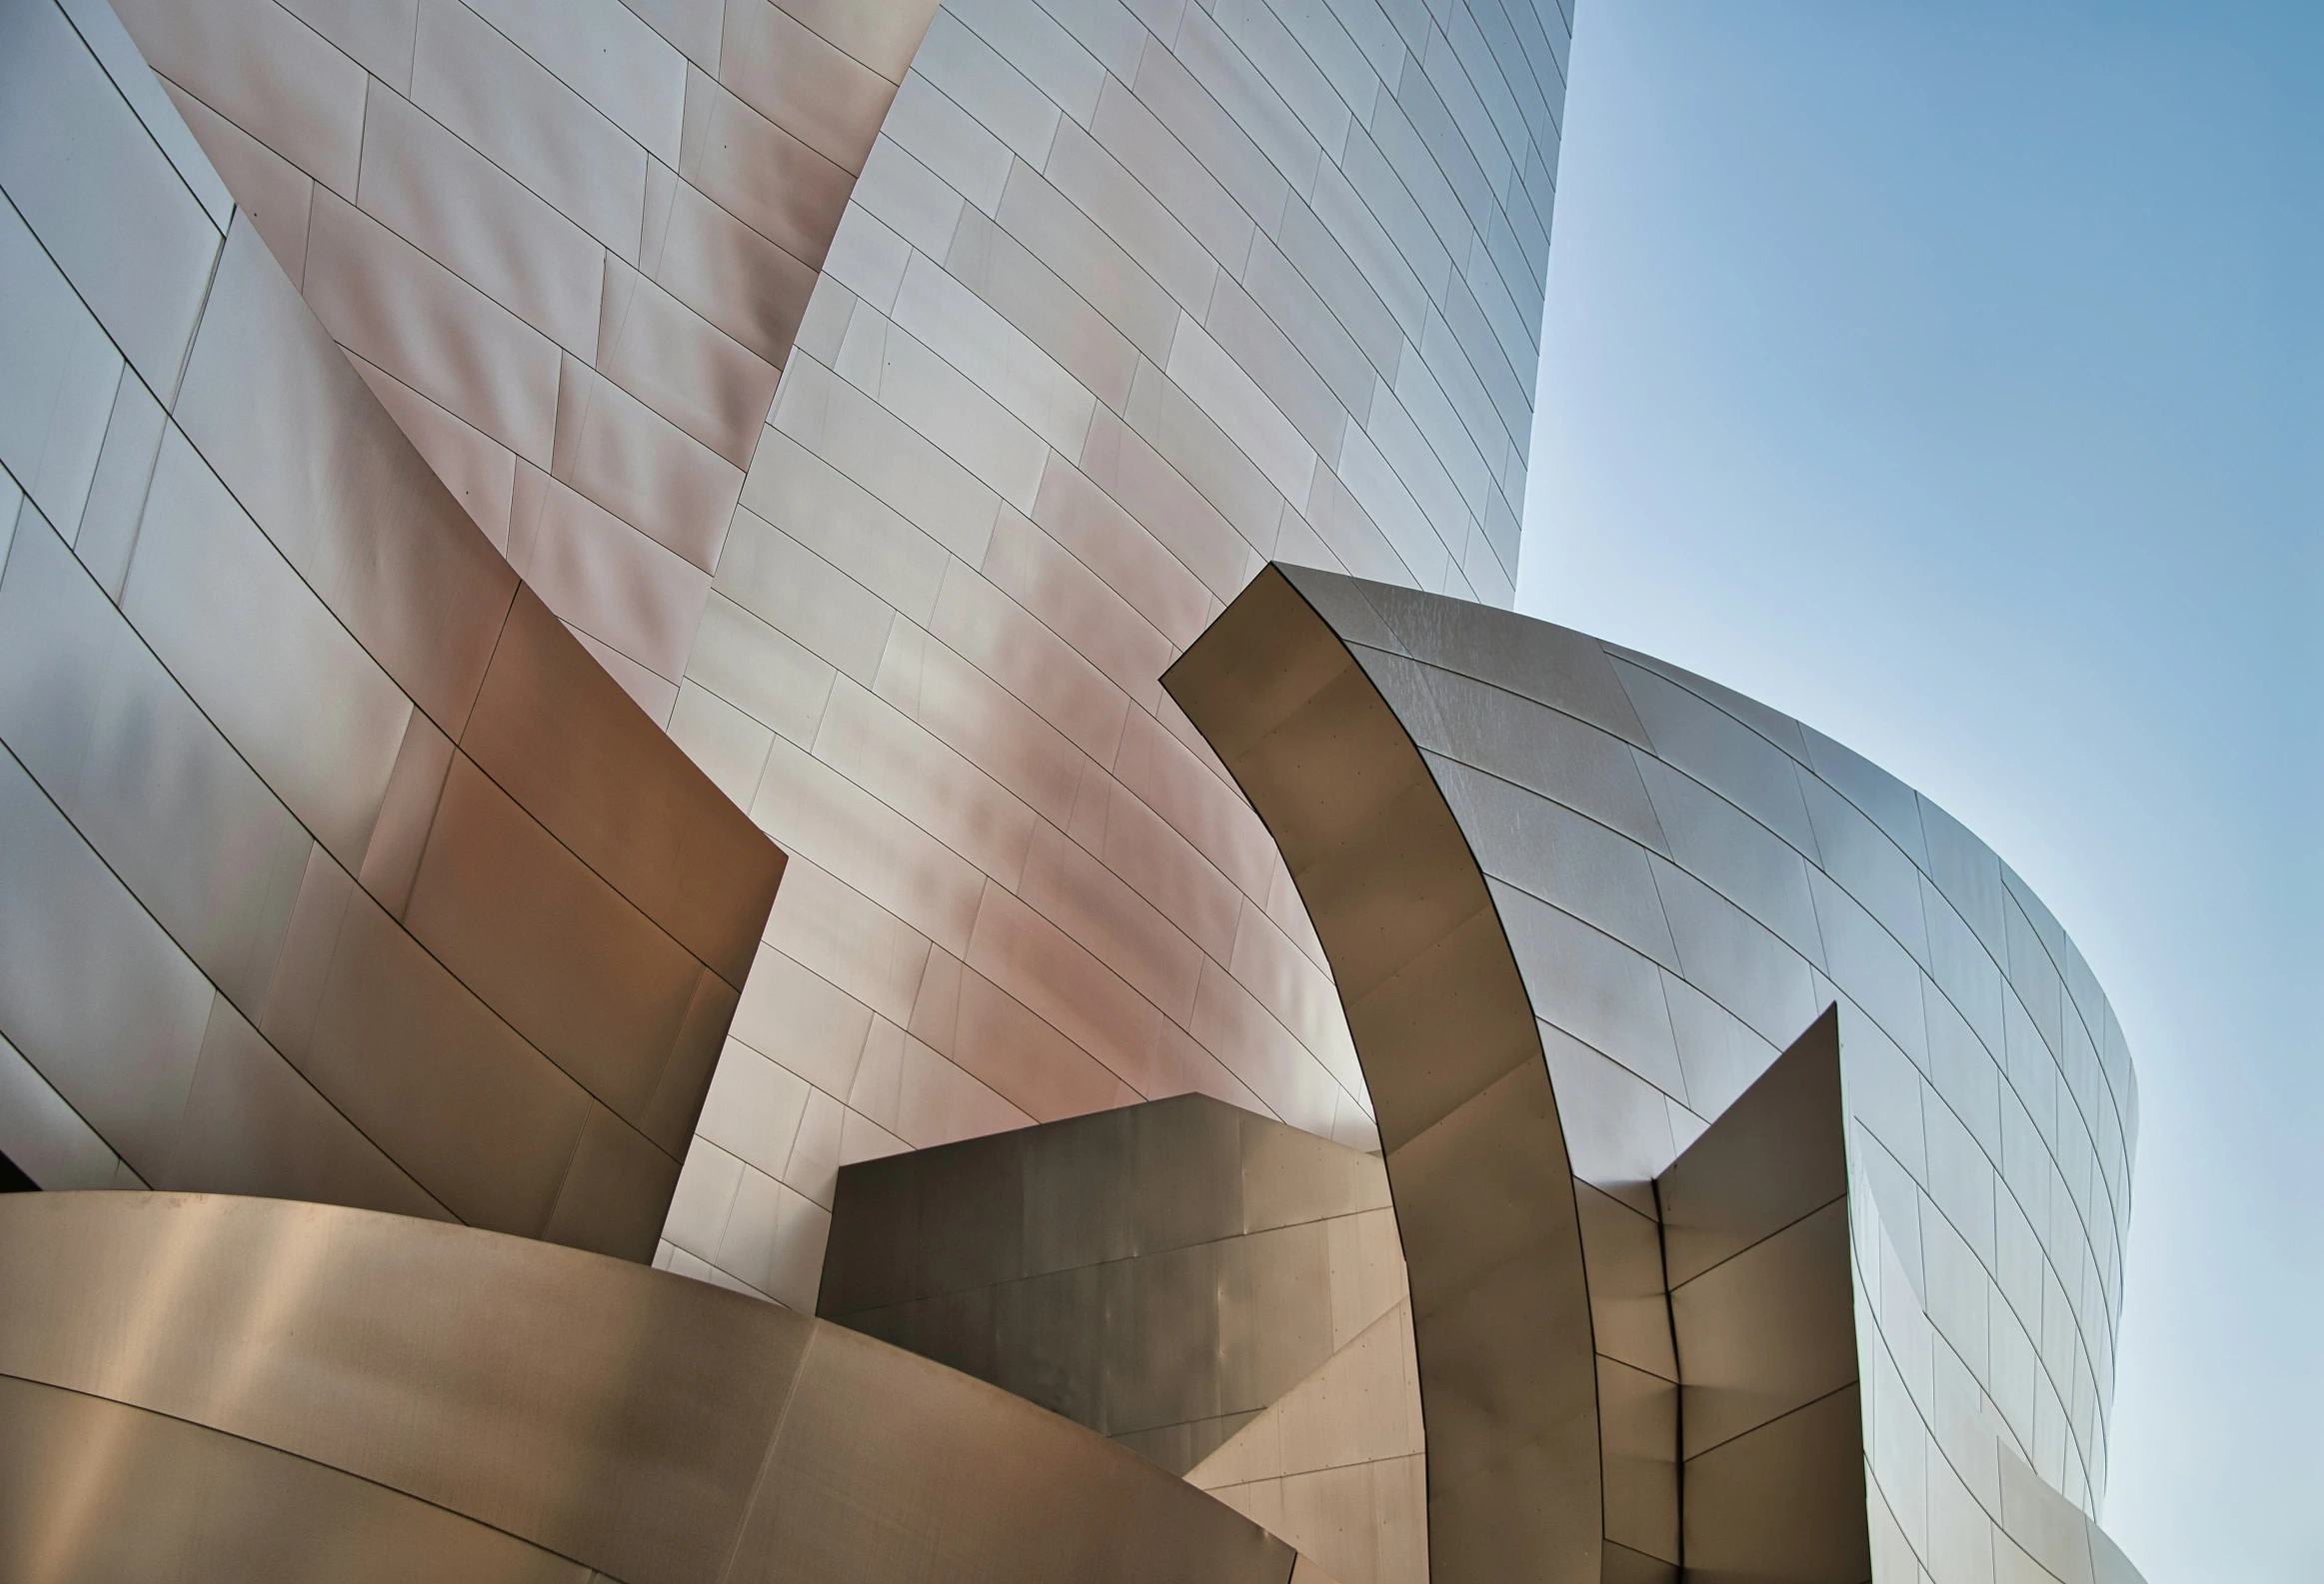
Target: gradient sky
1951 376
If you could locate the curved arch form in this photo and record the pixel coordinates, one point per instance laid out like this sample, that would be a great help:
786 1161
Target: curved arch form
1661 884
1437 1007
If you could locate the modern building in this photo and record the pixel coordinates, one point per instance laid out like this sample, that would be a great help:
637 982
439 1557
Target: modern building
852 649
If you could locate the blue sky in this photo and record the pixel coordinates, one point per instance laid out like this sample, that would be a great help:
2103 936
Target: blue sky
1952 378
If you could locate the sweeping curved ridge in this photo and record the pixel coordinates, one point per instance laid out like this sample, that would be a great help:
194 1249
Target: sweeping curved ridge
1680 879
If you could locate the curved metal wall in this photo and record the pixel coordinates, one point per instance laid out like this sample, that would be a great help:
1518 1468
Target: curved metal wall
1126 301
198 1388
334 867
1684 878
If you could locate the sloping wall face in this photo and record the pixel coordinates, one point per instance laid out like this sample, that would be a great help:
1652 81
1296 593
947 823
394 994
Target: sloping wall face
1128 299
331 866
1685 879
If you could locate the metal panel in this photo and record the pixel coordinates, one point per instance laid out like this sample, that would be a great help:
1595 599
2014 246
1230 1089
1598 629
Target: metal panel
576 968
1787 1499
1628 1301
868 740
98 1491
148 782
635 463
615 1190
479 471
998 636
970 1461
803 82
259 67
391 306
682 366
1762 1258
471 78
1736 855
378 35
1156 1274
934 497
253 1126
304 637
478 221
950 142
92 992
1765 1332
285 682
1275 1313
961 327
149 100
108 529
964 421
720 261
834 824
971 74
63 375
477 1116
1721 752
1504 735
550 728
1170 417
602 576
1734 959
43 1137
1559 857
628 1401
609 56
145 289
341 493
763 175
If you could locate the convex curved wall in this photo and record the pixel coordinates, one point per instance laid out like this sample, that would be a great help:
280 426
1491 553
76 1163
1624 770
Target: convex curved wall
1523 847
1128 299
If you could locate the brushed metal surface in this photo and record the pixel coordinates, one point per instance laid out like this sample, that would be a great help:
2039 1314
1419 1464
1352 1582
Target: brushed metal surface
1157 1272
198 1382
95 1490
1500 1302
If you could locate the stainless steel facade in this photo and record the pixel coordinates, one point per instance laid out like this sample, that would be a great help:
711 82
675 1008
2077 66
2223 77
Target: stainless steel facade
1576 901
485 479
1125 301
331 866
1096 309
